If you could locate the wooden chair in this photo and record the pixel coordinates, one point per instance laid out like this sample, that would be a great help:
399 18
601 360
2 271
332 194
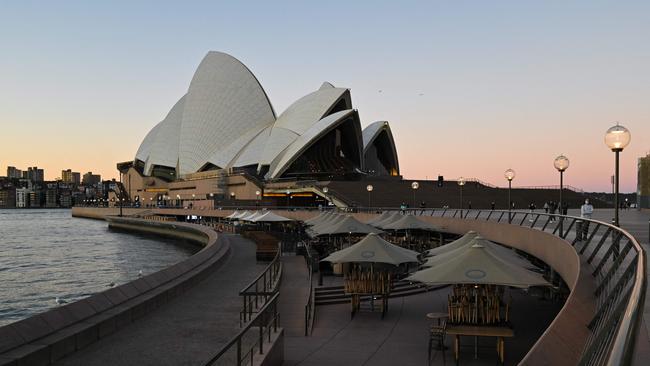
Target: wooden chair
437 336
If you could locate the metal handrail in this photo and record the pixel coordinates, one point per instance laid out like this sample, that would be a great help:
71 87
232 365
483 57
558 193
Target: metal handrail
267 320
309 307
265 285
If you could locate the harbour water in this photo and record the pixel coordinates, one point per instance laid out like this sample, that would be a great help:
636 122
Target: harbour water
45 254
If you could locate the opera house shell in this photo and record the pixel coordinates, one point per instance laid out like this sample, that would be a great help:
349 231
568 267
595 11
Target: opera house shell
226 121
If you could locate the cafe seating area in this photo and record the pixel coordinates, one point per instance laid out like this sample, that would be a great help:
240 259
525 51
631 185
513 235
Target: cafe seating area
478 305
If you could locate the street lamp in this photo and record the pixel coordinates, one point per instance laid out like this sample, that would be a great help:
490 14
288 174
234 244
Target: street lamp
510 175
288 192
414 186
617 138
561 163
461 183
232 195
369 188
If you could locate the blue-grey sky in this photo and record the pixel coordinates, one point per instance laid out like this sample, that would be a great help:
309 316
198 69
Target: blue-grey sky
503 83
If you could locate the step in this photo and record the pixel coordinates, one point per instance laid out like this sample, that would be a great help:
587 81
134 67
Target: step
343 298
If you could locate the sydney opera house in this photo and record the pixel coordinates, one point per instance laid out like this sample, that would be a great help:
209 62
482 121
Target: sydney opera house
223 138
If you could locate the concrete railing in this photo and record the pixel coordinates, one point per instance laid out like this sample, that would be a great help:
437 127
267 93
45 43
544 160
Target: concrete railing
45 338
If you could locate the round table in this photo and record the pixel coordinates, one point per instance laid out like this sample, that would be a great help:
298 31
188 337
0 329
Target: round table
437 316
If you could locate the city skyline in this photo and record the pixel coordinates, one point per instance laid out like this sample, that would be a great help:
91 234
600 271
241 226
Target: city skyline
519 83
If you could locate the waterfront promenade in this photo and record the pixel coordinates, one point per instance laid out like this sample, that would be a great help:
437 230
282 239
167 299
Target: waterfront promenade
192 327
189 329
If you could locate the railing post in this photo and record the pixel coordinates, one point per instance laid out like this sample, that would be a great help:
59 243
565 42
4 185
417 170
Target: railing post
244 309
238 351
261 327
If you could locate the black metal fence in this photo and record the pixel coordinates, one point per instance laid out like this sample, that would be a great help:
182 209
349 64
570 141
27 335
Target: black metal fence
618 265
262 288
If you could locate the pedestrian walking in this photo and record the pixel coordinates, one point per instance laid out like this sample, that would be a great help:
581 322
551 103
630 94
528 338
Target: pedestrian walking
586 211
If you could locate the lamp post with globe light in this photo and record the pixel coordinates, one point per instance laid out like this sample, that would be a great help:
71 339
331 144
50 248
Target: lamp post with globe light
461 183
369 188
414 187
509 175
561 163
617 138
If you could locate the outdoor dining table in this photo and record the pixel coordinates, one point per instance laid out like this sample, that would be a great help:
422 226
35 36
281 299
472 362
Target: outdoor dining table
500 332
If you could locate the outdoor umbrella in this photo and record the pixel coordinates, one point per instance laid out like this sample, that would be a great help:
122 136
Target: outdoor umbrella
380 218
326 223
463 240
233 215
315 220
251 216
502 252
478 265
409 222
373 249
241 215
347 225
396 215
270 217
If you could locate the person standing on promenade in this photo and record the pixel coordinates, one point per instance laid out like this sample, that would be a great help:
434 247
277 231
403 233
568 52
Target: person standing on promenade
552 208
545 207
586 211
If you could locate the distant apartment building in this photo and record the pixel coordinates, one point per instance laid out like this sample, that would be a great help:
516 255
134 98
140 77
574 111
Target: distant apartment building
8 197
643 182
65 199
68 176
34 174
90 179
51 198
35 199
12 172
22 197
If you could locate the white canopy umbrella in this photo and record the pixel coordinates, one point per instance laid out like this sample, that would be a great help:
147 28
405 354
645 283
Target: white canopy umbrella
478 265
242 215
327 222
316 219
502 252
380 218
348 225
233 215
396 215
409 222
373 249
270 217
251 216
462 241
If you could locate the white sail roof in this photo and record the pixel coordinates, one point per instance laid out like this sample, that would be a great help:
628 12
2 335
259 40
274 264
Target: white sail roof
224 102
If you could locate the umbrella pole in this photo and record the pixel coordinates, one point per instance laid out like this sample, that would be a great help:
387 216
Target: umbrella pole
476 319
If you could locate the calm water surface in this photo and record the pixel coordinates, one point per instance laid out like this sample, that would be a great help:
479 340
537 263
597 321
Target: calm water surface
46 254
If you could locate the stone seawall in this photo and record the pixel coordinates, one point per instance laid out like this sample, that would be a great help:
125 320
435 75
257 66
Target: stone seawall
45 338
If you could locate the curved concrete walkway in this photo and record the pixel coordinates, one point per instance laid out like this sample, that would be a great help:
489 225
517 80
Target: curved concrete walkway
189 329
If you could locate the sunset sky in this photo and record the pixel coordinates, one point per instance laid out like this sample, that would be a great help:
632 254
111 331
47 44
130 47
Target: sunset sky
470 88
